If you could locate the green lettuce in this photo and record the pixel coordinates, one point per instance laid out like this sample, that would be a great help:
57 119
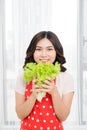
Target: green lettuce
41 72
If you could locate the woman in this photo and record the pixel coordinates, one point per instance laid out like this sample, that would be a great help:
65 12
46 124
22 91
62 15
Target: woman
55 106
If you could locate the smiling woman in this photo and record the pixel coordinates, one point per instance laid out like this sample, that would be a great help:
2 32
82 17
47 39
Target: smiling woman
55 105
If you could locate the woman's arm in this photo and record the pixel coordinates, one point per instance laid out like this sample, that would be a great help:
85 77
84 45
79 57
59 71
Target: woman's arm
23 108
62 104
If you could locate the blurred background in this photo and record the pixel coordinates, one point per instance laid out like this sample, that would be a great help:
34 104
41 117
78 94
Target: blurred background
20 20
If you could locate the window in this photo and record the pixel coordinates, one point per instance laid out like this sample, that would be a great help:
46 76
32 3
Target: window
22 19
83 61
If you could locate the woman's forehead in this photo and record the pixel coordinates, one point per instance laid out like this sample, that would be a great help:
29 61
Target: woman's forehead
44 43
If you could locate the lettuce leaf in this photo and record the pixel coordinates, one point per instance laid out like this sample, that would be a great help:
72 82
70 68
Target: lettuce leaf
41 72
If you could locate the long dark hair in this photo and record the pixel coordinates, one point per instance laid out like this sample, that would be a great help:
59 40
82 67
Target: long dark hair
56 43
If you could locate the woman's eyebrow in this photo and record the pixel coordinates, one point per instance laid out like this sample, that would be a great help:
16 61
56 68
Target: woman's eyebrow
46 47
50 47
38 47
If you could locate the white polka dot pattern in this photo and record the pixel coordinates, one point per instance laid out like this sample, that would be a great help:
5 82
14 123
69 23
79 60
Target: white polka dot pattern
34 112
51 121
28 117
41 128
50 107
40 113
43 106
44 121
32 118
37 106
47 99
54 114
35 126
47 114
25 123
37 120
29 125
54 127
42 116
48 128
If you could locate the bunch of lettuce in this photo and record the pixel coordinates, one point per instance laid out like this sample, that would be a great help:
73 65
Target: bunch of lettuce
41 72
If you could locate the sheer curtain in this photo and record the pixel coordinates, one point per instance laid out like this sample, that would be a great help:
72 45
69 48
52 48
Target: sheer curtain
1 61
23 19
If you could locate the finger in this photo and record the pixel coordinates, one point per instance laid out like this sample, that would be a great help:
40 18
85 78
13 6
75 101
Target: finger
49 79
46 82
49 83
43 90
36 90
45 86
34 81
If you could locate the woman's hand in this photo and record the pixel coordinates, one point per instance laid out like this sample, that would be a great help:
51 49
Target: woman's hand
49 86
35 87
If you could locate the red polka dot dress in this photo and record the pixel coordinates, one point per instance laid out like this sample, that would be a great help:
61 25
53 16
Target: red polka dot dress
42 116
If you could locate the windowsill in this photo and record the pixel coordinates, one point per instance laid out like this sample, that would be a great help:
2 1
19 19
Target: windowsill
67 127
75 127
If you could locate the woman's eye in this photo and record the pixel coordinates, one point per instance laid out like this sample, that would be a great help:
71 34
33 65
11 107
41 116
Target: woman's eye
38 49
50 49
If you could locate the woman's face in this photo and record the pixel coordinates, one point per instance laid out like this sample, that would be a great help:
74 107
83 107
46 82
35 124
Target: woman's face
44 51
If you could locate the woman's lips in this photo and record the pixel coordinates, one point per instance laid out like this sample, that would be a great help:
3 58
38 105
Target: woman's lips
44 60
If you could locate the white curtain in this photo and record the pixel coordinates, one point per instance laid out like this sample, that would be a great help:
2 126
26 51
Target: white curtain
1 60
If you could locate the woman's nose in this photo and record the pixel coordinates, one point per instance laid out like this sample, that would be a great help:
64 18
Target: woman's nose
44 53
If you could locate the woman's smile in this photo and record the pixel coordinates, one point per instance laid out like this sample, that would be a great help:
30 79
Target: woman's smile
44 60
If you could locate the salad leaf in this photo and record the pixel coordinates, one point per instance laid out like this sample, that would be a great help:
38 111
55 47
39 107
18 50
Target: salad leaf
41 72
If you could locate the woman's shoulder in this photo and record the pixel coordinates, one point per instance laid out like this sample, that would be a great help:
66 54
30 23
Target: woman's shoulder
65 81
65 76
20 83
